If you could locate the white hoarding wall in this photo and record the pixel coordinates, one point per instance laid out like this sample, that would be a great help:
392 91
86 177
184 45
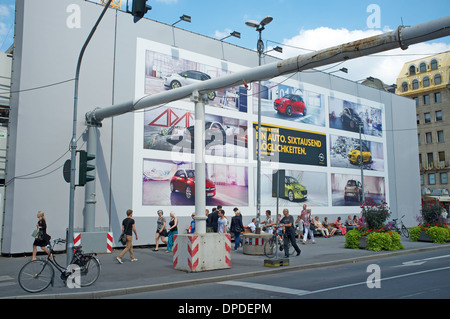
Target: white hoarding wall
145 159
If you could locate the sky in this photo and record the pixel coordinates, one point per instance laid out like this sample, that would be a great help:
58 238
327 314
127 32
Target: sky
298 26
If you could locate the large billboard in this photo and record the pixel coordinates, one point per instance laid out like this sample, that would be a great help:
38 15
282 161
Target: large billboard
310 133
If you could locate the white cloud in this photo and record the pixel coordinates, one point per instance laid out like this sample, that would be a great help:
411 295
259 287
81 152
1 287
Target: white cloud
385 65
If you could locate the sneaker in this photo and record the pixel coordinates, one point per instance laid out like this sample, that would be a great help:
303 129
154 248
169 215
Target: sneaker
119 260
298 254
134 259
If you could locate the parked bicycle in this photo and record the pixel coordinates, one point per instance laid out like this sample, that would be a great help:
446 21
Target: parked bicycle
270 247
37 275
400 228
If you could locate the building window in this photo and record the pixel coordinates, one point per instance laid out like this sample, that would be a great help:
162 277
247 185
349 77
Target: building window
423 67
412 70
437 97
416 99
430 158
418 138
434 64
440 136
443 177
429 137
437 79
415 84
438 116
426 99
431 179
418 119
404 87
441 156
421 179
427 117
426 82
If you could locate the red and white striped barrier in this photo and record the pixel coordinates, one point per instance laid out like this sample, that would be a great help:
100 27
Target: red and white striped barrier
77 239
201 252
254 241
109 242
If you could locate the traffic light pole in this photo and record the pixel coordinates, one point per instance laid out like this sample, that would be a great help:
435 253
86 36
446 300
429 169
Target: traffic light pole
89 188
73 142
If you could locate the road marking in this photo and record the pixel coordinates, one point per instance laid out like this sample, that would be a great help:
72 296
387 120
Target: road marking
299 292
4 279
276 289
421 261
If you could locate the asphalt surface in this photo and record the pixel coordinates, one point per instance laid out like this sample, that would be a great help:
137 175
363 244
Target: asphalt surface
154 270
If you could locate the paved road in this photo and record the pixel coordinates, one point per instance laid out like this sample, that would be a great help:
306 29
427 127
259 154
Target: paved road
154 270
423 275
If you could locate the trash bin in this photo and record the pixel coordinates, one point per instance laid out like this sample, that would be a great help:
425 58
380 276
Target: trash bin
254 243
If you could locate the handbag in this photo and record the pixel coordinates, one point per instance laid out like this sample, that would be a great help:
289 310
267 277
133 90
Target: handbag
35 233
123 239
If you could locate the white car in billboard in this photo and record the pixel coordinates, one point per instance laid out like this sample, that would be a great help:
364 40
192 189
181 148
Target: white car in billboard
176 80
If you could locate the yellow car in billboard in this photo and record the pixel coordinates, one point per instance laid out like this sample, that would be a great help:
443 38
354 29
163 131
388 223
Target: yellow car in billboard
354 156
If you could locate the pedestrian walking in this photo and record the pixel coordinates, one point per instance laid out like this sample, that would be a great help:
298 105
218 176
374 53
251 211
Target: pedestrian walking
128 227
161 231
308 224
289 235
173 230
222 222
236 228
43 239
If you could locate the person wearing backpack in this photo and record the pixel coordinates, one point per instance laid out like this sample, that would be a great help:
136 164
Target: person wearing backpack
128 228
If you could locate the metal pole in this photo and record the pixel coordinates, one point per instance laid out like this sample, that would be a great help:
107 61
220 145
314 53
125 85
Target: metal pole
402 37
361 165
73 142
260 46
200 166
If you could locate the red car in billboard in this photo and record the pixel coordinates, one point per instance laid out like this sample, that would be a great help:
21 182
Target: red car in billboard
290 104
184 181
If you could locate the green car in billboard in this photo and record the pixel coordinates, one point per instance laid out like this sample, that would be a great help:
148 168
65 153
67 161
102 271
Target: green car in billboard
293 189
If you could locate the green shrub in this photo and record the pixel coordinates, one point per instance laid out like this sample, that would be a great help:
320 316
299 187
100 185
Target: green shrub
352 239
439 235
384 241
414 233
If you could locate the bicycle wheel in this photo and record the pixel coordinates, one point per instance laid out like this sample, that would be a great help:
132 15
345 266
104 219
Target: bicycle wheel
36 275
405 231
269 248
89 270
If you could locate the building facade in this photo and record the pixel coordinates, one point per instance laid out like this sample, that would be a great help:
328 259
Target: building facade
145 159
427 82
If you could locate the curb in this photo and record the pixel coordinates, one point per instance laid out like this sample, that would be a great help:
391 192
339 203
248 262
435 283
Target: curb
177 284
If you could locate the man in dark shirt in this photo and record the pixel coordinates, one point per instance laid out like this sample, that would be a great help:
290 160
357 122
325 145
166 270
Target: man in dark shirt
288 223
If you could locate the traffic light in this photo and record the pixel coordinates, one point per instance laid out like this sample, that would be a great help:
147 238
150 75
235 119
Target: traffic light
139 9
83 176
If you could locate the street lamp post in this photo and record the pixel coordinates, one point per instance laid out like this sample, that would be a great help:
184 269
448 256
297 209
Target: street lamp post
260 26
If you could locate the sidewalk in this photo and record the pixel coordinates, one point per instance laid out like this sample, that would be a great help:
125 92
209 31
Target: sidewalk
154 271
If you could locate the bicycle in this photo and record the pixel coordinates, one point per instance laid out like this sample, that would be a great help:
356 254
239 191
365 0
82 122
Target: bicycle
38 275
270 247
400 229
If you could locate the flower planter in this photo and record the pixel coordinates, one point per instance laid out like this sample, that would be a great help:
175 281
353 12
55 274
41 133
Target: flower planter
424 237
362 242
